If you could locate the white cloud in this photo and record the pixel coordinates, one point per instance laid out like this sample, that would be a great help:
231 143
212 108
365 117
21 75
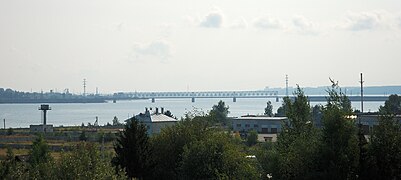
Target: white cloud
239 24
213 19
268 23
363 21
160 49
304 25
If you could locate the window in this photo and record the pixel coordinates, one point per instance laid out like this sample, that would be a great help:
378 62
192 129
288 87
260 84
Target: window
274 130
265 130
247 125
255 126
238 125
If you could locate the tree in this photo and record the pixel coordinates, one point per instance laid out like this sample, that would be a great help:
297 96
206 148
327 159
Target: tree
216 157
340 151
252 138
385 148
168 146
295 154
133 152
219 112
40 152
115 121
85 162
269 109
392 105
83 136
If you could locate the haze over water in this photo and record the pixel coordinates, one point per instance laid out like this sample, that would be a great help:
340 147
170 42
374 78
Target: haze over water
23 115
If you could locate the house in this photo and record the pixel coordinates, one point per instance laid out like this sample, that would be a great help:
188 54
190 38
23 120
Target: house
155 120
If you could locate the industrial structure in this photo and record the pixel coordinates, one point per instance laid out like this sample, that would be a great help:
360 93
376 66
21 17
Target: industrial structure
44 127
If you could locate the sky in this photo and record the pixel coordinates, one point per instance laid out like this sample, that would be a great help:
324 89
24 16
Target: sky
193 45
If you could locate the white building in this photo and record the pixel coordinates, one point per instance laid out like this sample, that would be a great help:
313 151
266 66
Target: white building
155 120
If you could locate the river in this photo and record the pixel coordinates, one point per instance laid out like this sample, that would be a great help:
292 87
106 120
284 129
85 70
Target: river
23 115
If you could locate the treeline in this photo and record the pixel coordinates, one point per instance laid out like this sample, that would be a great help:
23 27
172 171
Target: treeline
201 147
338 150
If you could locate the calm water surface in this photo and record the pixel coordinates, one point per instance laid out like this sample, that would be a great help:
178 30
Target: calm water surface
23 115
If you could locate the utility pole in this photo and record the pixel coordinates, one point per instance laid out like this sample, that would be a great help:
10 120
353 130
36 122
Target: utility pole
361 98
286 85
84 87
4 123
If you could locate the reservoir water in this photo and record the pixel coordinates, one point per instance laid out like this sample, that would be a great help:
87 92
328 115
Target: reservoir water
23 115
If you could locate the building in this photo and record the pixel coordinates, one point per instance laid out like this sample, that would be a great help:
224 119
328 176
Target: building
155 120
41 128
370 120
267 127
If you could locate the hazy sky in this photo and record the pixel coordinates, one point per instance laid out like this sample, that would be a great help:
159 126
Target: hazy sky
180 45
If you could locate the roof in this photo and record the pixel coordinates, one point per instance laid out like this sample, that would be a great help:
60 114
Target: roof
161 118
261 118
154 117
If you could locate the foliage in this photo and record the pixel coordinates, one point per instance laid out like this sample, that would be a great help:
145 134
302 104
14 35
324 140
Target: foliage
10 131
269 109
40 152
219 113
116 122
392 105
252 138
295 154
215 157
133 152
385 149
340 152
317 115
82 136
85 162
169 145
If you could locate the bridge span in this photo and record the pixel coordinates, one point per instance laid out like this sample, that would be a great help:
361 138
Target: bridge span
205 94
231 94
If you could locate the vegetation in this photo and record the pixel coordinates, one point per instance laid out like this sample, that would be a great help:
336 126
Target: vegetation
269 109
219 113
133 152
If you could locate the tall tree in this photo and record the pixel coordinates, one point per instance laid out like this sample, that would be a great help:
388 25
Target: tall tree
295 154
40 152
340 151
133 151
219 112
269 109
392 105
385 148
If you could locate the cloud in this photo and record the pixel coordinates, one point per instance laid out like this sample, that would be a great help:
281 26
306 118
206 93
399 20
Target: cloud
268 23
239 24
160 49
213 19
304 25
362 21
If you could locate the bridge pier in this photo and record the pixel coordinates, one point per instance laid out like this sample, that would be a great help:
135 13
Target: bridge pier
193 99
234 99
153 100
277 99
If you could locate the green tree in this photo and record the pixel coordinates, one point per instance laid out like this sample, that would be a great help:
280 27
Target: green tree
340 151
40 152
392 105
219 112
133 152
252 138
116 122
269 109
85 162
216 157
82 136
385 148
295 154
169 145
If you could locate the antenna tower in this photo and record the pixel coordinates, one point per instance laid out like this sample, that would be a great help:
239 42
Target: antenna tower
286 85
361 93
84 87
